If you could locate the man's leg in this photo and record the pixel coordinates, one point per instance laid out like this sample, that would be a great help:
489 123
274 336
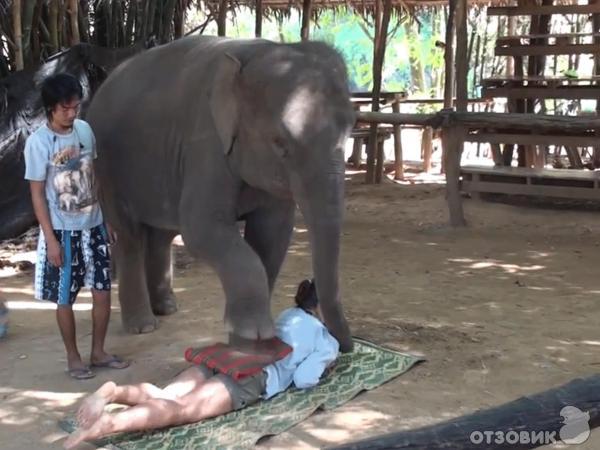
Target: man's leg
66 325
93 406
100 318
208 400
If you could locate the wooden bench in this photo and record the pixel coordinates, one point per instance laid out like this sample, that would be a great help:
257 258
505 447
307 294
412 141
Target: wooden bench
361 139
560 183
541 87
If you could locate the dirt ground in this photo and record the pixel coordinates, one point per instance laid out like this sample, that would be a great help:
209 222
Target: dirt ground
503 308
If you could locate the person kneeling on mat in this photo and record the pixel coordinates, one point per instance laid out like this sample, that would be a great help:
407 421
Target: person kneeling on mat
198 393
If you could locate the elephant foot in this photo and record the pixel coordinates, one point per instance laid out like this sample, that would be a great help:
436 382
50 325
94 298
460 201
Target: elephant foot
165 304
140 325
267 351
251 327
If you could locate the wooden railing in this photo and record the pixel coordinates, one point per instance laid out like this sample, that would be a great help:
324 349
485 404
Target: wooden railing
456 126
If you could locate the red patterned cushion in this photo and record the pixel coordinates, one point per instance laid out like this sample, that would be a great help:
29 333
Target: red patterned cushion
238 363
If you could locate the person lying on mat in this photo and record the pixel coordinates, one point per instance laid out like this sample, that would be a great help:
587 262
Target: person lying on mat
197 393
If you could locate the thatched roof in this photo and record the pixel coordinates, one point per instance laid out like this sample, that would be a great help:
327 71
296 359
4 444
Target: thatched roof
357 5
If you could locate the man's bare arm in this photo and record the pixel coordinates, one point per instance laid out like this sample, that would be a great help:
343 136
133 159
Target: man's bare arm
40 207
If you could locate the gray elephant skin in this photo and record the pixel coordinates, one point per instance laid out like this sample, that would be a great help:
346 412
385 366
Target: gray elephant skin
201 134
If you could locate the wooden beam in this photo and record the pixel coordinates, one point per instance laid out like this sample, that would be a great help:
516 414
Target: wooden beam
531 122
306 13
556 49
543 92
539 10
538 175
532 189
532 139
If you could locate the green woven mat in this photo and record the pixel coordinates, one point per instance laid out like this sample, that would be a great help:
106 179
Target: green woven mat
367 367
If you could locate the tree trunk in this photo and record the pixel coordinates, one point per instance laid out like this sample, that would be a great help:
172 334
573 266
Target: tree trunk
17 34
28 10
383 12
416 68
84 21
259 19
73 15
449 57
306 13
179 20
168 15
222 18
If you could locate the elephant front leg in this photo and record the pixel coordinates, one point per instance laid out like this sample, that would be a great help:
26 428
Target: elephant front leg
268 231
159 272
242 275
136 313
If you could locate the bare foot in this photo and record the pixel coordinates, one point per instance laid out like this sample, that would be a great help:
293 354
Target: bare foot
98 429
92 406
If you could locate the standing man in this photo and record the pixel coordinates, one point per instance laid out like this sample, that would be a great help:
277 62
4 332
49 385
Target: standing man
73 247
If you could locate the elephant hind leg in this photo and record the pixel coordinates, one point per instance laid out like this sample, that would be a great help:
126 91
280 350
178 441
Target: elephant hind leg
136 313
159 270
268 231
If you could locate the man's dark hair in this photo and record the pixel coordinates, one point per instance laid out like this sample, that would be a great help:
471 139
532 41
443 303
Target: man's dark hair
306 297
60 88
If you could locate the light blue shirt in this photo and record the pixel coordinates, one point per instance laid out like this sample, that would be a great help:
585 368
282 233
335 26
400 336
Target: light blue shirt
313 350
65 163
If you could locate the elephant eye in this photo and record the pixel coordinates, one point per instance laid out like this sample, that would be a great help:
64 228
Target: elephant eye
280 147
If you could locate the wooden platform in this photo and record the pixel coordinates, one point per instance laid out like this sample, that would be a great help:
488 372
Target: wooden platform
516 49
542 10
543 92
560 183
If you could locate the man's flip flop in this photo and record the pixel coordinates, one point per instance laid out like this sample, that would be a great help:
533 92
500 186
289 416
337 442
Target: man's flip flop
114 362
83 373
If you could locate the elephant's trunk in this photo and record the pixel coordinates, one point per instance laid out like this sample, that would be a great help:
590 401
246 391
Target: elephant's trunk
321 200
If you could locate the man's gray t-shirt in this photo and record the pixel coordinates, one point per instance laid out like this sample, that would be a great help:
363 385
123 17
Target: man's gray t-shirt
65 163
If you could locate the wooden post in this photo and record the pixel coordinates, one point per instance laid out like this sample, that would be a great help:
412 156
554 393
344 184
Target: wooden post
17 34
259 18
222 18
448 68
356 156
379 159
452 141
306 13
595 30
426 146
382 20
73 15
398 157
453 138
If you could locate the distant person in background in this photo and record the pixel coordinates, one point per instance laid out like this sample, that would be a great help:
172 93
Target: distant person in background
73 247
199 393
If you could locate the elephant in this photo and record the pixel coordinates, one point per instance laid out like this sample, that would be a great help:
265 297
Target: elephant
204 133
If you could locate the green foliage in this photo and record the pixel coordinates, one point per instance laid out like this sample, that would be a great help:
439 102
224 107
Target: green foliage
353 38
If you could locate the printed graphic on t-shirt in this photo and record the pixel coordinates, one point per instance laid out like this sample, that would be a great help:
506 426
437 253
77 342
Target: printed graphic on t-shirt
73 180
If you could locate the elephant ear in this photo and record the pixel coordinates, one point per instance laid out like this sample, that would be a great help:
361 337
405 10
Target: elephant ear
223 99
